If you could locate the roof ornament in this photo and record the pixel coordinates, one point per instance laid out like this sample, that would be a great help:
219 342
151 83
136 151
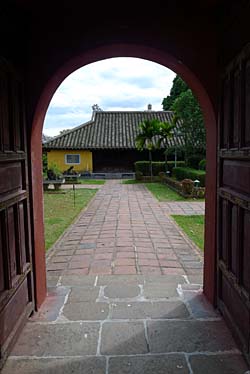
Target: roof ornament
96 108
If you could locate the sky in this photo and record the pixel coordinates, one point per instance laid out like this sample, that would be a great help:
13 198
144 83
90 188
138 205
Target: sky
114 84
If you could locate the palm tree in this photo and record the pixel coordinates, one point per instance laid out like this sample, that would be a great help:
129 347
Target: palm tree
148 130
165 132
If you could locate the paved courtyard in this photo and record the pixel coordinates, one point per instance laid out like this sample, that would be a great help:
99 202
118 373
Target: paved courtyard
125 296
125 230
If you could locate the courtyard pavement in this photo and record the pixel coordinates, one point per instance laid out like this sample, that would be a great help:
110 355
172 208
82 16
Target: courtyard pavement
125 296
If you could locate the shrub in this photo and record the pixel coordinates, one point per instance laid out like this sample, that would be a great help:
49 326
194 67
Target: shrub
188 173
194 160
157 166
171 165
202 164
199 192
138 175
54 172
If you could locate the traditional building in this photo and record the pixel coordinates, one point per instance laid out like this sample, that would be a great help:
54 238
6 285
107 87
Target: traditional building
107 142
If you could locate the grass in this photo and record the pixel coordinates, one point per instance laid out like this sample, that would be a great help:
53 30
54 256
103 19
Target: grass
59 211
87 181
193 226
131 181
164 193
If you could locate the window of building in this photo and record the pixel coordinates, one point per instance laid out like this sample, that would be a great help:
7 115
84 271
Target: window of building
72 159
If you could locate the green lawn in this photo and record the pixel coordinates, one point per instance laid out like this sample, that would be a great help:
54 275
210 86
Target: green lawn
59 211
88 181
131 181
193 226
163 193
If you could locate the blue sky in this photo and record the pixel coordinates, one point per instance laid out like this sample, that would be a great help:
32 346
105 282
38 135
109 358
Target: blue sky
114 84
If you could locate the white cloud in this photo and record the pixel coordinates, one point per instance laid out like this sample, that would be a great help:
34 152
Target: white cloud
113 84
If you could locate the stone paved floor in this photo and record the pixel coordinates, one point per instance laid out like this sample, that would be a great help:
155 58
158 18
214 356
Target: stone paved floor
153 321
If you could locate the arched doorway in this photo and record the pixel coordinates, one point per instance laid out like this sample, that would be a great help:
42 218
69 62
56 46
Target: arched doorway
126 50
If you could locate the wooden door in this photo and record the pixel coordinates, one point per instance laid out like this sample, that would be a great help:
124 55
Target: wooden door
234 199
16 287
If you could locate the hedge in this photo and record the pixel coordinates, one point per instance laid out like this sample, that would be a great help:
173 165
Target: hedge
194 160
183 173
202 164
157 166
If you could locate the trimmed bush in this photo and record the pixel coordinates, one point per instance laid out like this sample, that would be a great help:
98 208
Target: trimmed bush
157 166
188 173
138 175
194 160
202 164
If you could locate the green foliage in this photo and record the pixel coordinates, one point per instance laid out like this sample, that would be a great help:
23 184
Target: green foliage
148 130
188 173
171 165
202 164
178 87
165 131
143 167
187 110
54 171
193 161
45 162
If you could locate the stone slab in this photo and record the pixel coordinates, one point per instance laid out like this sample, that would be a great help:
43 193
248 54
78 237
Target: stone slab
65 339
86 311
199 305
83 365
83 294
218 364
163 279
150 310
168 364
121 338
160 290
52 280
189 336
121 291
76 280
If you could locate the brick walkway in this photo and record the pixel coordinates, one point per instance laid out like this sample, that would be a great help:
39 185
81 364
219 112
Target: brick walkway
139 323
126 231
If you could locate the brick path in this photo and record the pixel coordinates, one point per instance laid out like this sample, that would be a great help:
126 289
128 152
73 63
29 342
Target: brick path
139 323
126 231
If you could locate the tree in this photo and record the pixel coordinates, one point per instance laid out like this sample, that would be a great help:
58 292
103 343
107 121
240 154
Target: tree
148 130
165 131
187 111
178 87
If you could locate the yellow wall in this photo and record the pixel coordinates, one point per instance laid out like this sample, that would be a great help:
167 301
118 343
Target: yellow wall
58 158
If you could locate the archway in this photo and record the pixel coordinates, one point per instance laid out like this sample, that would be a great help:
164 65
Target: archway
126 50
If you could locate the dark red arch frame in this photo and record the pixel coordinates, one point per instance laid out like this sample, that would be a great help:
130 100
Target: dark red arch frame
158 56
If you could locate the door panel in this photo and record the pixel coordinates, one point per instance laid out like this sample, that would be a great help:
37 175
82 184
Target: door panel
16 278
234 199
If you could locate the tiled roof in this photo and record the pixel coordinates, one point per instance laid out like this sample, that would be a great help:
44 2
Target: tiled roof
110 130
